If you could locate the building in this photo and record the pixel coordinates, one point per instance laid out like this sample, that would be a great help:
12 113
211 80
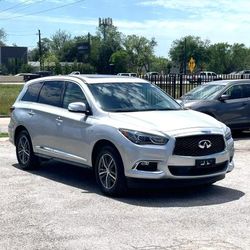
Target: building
11 58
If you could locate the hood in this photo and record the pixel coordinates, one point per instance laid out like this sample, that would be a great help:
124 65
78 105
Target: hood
189 102
197 104
166 121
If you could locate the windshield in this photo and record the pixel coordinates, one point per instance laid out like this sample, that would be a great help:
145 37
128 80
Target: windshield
203 92
130 97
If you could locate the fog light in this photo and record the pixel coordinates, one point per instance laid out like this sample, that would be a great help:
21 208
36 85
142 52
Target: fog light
146 166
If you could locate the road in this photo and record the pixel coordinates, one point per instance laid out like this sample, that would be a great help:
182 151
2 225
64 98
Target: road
59 207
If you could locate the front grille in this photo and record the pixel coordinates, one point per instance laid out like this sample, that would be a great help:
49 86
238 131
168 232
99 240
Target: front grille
196 171
189 145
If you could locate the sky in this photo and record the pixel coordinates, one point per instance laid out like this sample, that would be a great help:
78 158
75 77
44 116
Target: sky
165 20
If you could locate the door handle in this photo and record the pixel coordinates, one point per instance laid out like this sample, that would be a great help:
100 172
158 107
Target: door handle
59 120
31 113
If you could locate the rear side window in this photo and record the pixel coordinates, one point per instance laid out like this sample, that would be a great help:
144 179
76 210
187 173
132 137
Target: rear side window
51 93
32 92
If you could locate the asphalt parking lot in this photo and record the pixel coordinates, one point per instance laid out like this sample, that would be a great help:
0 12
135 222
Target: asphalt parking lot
60 207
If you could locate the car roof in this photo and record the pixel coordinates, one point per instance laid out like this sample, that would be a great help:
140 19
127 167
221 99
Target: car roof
227 82
92 78
107 78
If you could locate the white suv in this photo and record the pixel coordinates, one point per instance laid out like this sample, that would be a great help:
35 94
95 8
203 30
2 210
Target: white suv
127 74
126 129
203 76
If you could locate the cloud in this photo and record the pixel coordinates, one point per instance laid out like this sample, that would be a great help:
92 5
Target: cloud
35 1
217 21
197 6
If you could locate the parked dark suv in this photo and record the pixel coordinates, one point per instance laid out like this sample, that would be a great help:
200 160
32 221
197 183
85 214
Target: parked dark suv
228 101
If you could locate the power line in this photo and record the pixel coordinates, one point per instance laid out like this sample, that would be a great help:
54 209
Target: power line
14 6
9 34
43 11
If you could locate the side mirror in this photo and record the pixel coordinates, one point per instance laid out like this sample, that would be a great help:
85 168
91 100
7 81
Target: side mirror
77 107
224 98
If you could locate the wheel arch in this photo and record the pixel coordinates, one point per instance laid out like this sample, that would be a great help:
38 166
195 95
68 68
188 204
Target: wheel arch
98 146
17 131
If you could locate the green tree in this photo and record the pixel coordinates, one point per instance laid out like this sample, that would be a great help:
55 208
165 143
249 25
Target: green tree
161 65
50 61
110 42
2 37
58 68
34 54
70 51
240 57
120 60
220 58
66 69
86 68
26 68
3 69
58 41
140 51
190 46
95 47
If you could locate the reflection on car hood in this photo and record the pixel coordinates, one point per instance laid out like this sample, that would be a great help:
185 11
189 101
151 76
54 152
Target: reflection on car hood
165 121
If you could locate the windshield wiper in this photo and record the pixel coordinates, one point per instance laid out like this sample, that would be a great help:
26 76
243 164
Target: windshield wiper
159 109
124 110
141 110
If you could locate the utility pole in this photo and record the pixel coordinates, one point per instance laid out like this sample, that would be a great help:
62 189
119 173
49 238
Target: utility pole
185 57
40 50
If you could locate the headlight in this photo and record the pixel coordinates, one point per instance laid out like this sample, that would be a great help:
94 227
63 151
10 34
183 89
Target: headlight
228 134
143 138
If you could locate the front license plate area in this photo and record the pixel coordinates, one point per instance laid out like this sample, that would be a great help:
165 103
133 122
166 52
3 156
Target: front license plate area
205 163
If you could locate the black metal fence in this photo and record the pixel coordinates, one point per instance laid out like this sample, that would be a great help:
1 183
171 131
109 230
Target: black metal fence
177 85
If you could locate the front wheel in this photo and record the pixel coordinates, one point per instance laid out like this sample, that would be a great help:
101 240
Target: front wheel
24 151
109 172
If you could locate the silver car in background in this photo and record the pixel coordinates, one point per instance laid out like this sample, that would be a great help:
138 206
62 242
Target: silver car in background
127 129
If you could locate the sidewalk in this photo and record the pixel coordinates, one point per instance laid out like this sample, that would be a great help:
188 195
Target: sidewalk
4 125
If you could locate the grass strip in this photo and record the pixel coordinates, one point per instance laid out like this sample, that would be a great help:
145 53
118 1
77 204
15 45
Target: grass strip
8 95
2 135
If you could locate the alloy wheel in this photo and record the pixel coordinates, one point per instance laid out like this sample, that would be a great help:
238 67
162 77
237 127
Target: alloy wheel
107 171
23 150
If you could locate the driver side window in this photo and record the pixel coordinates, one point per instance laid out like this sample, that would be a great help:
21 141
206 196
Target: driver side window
235 92
73 93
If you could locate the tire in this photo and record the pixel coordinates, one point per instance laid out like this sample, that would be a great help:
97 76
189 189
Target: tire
24 151
109 172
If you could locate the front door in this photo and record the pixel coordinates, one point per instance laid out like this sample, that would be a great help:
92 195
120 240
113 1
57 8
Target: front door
235 111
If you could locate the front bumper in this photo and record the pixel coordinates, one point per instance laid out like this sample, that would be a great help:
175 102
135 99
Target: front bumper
176 167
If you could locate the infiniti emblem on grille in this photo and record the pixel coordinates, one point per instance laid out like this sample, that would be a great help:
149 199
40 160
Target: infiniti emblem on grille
205 144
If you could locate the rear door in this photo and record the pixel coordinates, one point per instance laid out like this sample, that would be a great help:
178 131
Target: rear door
46 117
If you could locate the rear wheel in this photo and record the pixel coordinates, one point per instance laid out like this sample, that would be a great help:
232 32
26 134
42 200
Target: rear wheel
24 151
109 172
